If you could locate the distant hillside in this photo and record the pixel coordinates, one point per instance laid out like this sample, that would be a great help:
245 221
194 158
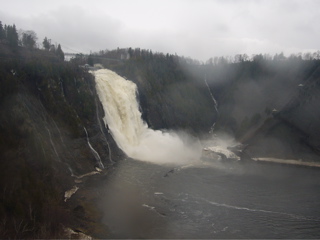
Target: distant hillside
272 105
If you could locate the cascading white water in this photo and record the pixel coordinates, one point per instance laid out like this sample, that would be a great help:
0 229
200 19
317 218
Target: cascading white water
94 152
214 101
212 97
122 115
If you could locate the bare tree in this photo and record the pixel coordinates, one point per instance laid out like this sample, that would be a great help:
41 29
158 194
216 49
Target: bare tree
29 39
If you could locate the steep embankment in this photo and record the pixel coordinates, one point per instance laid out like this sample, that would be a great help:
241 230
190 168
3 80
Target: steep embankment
293 132
271 106
47 106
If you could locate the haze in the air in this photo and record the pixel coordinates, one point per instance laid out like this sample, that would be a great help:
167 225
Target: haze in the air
199 29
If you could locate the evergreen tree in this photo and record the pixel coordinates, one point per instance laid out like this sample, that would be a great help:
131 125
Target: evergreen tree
59 52
15 37
5 31
12 36
46 43
90 60
2 33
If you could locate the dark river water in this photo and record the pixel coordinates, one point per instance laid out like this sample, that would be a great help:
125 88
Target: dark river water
211 200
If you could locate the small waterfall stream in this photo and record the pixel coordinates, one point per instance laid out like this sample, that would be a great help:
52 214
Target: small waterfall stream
214 101
212 97
60 135
94 152
52 144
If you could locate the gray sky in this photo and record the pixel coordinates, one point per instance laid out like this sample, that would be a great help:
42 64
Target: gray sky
196 28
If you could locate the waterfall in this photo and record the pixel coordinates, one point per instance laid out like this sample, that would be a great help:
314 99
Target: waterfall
214 101
212 97
52 144
132 135
94 152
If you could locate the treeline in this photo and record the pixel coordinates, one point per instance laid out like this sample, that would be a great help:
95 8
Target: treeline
27 39
257 57
123 54
9 35
110 57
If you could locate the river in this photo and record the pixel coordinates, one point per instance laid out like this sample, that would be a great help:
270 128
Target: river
211 200
173 192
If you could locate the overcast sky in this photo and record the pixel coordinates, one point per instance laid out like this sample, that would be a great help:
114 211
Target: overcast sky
192 28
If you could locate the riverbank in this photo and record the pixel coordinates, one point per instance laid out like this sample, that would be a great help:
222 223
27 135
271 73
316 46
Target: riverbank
288 162
220 153
86 217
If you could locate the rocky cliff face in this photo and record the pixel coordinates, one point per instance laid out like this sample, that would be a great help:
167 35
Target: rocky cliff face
271 106
170 97
46 107
293 131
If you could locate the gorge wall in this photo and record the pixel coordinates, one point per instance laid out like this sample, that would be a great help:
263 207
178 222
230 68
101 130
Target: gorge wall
271 106
170 97
47 106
